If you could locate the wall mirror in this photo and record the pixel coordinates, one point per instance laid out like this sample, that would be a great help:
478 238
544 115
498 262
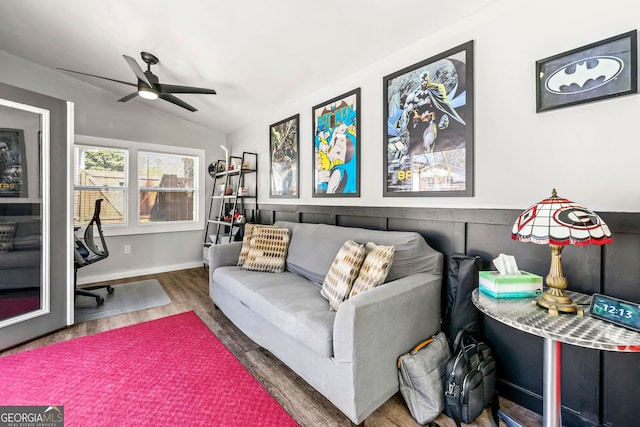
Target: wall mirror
24 216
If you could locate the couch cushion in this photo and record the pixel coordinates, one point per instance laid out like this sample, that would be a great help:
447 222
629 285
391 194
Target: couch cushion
374 269
7 231
314 246
267 250
286 300
343 271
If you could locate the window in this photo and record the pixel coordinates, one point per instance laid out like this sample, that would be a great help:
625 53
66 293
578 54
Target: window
147 188
99 173
166 185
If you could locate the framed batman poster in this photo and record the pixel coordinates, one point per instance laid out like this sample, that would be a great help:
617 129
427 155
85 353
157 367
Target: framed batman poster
428 127
13 166
593 72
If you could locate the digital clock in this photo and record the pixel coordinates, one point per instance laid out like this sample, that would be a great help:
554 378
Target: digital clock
614 310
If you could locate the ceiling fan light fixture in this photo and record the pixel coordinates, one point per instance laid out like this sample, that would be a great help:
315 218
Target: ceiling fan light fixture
148 93
148 85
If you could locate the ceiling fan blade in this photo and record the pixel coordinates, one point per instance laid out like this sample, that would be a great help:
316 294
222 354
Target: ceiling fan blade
183 89
177 101
128 97
100 77
137 70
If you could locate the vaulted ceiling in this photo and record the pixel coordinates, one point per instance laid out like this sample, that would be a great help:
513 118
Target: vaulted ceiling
256 54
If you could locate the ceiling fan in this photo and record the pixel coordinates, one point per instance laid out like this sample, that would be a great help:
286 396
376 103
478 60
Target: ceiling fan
148 84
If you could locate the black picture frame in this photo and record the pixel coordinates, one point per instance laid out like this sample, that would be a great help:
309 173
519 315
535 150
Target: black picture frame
597 71
336 146
13 163
429 127
284 146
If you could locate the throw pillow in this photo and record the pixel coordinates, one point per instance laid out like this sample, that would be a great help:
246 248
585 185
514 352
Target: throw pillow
268 249
7 231
375 267
246 243
343 271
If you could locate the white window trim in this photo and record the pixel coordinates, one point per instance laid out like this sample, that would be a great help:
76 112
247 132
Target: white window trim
132 225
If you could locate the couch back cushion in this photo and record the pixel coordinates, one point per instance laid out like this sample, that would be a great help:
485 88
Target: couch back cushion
313 247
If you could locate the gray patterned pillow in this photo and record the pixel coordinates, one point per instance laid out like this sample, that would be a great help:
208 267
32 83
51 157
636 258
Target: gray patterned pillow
268 249
342 273
374 270
7 231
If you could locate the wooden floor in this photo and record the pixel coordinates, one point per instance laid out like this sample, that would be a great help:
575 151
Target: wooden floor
188 290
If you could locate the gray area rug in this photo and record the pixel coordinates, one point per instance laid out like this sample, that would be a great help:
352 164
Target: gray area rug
127 297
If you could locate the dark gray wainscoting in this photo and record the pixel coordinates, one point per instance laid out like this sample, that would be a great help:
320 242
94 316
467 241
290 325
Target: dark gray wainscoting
597 386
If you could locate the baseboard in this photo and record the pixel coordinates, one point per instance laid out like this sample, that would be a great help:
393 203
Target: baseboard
100 278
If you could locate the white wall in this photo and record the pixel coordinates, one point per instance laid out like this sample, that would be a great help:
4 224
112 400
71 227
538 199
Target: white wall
98 114
588 152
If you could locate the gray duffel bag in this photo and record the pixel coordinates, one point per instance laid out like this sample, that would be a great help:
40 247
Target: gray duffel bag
421 372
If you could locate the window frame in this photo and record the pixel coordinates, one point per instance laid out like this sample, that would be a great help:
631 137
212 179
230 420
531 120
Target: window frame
194 189
125 189
132 194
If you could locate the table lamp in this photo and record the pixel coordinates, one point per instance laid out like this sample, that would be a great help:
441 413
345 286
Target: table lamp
559 222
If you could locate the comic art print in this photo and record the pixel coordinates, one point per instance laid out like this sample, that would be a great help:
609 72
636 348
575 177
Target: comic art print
12 163
336 153
284 145
428 129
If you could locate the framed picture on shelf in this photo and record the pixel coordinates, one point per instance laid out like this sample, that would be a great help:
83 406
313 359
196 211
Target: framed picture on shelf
336 146
597 71
428 126
284 143
13 167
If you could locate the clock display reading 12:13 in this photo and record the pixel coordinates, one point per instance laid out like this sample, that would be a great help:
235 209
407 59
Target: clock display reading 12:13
614 310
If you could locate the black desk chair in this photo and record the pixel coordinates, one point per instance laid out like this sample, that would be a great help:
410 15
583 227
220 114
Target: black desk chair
87 253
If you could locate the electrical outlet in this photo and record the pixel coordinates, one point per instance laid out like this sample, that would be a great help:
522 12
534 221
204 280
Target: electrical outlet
126 249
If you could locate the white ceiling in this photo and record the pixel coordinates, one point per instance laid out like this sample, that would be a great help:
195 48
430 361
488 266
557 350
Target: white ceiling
256 54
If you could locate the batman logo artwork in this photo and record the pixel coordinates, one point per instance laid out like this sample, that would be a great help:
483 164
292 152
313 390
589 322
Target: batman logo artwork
584 75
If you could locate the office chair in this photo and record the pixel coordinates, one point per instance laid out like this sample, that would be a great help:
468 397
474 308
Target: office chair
87 253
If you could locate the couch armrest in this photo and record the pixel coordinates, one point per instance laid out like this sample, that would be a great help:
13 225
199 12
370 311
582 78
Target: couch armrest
224 254
375 327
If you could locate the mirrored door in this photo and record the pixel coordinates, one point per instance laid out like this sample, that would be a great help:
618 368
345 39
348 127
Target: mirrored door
23 287
35 285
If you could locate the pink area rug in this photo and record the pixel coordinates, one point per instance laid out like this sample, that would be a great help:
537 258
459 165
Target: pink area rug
167 372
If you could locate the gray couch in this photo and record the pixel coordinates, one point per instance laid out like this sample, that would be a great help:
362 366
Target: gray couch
348 355
20 268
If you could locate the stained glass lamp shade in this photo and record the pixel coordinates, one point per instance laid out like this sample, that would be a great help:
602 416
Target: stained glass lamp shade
558 222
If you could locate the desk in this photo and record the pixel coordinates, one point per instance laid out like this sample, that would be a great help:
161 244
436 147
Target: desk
589 332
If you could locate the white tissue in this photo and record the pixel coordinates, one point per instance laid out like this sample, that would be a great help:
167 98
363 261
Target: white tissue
506 264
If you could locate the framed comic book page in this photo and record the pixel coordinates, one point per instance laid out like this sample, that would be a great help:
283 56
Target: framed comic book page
284 139
13 167
428 126
336 146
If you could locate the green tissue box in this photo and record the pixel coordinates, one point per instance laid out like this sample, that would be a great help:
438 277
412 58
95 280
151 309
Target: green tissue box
521 285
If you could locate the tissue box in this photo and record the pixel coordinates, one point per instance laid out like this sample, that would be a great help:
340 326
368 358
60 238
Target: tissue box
520 285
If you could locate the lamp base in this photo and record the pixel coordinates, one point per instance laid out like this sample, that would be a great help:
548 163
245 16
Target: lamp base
555 301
